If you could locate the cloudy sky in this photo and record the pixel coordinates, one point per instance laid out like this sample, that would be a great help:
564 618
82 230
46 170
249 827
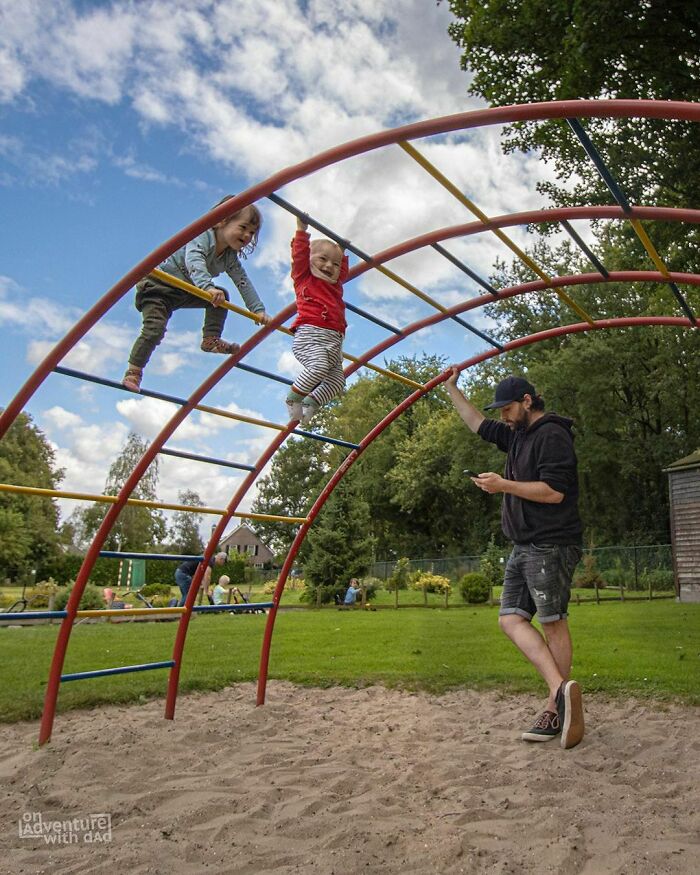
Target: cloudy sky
123 122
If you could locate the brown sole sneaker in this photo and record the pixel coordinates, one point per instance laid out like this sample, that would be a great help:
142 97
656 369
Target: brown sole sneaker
573 725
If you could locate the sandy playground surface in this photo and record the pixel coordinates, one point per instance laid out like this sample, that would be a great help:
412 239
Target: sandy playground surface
355 781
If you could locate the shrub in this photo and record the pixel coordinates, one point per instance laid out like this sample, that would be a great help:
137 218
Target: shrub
659 579
41 594
371 585
400 575
475 588
588 574
156 589
491 564
91 599
430 582
159 601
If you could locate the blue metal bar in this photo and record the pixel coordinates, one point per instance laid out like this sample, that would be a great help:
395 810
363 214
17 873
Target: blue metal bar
597 264
33 615
211 461
325 439
125 669
463 267
309 220
479 333
374 319
683 303
102 381
595 157
620 197
115 554
241 608
267 374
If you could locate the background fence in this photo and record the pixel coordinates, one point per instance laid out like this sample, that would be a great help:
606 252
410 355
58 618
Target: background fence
637 567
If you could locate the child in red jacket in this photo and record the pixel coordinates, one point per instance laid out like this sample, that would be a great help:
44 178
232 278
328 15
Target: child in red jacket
319 269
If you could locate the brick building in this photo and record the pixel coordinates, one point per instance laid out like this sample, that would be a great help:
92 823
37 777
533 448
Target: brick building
245 540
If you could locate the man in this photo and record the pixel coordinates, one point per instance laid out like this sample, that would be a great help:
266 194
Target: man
185 571
540 515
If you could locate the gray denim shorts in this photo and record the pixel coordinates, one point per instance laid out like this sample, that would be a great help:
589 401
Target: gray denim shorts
538 580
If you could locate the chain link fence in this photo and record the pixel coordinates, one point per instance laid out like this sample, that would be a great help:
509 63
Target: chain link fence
614 570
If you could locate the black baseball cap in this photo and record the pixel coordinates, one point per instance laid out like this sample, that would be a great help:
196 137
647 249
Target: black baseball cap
509 390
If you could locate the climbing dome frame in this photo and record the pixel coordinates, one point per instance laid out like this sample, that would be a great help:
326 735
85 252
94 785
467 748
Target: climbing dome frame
404 137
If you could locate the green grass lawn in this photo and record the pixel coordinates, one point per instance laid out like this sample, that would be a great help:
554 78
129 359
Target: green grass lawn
639 648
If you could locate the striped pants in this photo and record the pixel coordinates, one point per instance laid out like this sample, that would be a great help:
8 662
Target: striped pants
320 350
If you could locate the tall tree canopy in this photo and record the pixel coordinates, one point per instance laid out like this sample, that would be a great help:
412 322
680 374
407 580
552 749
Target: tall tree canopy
184 530
29 534
521 51
140 529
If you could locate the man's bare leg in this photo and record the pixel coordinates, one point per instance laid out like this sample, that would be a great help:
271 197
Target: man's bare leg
552 660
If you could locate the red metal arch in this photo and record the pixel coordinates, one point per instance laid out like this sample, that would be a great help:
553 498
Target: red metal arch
344 467
671 109
531 112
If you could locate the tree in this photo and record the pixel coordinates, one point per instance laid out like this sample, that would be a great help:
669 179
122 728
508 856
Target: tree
29 536
297 474
341 545
542 50
138 529
184 530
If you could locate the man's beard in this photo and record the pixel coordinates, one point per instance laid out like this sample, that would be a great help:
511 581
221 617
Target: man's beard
522 423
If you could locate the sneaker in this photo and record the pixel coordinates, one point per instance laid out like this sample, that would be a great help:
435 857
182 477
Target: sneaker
295 410
132 379
547 727
309 410
216 344
570 713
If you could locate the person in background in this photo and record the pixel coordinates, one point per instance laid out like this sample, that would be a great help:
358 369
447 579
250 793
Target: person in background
185 571
352 592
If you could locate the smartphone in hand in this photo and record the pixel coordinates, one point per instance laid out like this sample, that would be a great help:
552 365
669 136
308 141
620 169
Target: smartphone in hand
470 473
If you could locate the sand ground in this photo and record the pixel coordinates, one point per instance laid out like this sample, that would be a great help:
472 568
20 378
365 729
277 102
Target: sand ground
356 781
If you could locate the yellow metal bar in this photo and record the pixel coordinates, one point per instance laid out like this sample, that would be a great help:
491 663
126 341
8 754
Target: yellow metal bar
412 289
127 612
227 305
171 280
138 502
472 207
397 377
649 246
272 518
240 417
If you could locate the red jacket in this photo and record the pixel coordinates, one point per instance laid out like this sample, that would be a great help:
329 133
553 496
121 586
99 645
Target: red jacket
319 302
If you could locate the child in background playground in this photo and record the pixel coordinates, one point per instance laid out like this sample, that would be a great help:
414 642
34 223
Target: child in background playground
214 252
319 269
219 594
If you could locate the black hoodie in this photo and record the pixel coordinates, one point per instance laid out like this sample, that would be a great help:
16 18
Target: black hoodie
545 452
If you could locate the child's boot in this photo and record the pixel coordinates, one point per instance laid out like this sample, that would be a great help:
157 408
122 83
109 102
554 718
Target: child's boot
216 344
132 378
309 409
294 408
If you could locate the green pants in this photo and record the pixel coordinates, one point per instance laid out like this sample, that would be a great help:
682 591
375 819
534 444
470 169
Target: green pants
156 302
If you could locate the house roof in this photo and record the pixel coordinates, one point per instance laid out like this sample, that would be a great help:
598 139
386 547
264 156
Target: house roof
691 461
238 528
